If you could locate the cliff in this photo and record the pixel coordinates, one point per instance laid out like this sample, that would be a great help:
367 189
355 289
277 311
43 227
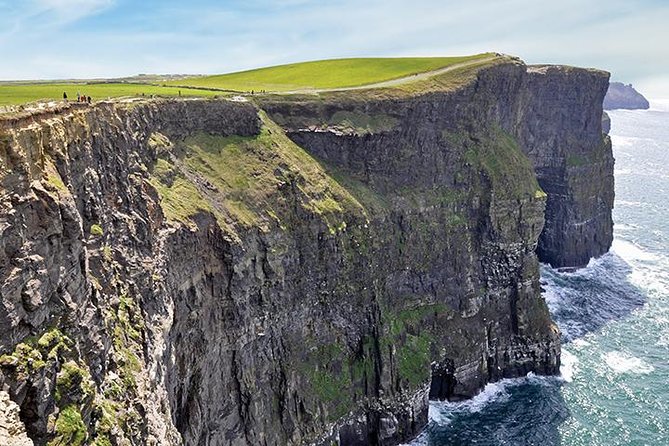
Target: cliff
299 270
621 96
567 158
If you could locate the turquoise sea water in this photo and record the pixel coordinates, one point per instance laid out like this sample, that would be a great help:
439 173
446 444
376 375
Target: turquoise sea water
614 316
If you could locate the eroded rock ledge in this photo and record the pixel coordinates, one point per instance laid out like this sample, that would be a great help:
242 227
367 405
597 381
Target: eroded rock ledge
298 271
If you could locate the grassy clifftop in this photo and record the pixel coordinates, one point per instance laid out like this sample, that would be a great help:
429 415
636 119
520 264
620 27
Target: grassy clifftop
326 74
15 94
401 75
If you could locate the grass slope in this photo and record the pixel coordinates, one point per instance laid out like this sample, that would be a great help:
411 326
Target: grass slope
325 74
13 94
246 179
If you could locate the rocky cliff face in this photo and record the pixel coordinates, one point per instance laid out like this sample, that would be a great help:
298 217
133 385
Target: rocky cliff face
12 429
206 273
573 162
621 96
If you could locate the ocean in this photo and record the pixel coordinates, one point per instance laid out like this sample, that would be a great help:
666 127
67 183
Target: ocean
614 318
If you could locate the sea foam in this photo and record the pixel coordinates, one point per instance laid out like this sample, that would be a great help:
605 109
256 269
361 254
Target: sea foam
621 362
568 366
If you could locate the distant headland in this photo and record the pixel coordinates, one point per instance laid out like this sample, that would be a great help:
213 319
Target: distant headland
621 96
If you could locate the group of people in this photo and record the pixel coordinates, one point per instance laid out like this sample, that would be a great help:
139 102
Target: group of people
80 98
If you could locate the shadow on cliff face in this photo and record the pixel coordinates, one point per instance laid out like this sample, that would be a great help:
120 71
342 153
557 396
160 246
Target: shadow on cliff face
585 300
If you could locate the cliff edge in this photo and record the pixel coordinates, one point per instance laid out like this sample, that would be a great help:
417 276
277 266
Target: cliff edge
573 162
300 269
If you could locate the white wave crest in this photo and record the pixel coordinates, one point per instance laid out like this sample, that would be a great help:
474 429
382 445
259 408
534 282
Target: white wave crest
649 270
631 252
626 226
552 297
434 414
621 362
623 141
491 392
580 342
569 365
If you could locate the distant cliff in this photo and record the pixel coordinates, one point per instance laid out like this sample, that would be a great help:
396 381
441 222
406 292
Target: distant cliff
297 270
621 96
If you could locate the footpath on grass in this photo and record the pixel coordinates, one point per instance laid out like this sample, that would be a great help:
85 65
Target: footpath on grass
398 81
11 114
383 84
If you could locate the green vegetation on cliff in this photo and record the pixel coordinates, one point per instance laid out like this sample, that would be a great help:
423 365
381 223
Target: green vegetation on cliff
70 428
406 333
497 154
241 180
328 372
53 355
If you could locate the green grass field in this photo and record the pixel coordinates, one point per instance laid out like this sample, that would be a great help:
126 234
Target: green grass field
321 75
14 94
324 74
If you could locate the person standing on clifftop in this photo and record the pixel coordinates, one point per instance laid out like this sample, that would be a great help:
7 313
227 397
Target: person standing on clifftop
65 96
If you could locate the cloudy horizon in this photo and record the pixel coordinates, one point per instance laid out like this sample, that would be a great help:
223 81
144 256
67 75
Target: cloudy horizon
64 39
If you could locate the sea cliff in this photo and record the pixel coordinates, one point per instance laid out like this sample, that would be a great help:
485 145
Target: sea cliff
298 269
622 96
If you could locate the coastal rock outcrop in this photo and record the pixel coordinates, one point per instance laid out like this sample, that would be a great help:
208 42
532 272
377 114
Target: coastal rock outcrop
299 270
622 96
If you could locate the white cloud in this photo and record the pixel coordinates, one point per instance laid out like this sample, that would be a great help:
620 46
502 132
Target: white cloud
626 38
42 16
72 8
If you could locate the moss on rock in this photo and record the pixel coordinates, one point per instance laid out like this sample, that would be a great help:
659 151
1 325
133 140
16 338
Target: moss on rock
70 429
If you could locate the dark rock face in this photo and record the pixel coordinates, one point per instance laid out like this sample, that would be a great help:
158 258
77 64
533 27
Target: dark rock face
552 114
621 96
389 258
606 123
573 162
81 308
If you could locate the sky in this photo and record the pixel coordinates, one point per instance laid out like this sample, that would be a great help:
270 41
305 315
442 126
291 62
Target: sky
57 39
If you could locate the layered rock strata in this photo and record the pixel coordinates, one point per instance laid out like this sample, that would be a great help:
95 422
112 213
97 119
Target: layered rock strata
305 270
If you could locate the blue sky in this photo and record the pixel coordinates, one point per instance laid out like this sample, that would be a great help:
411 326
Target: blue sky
47 39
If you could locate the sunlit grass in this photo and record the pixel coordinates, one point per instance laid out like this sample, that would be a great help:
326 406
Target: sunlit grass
325 74
14 94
